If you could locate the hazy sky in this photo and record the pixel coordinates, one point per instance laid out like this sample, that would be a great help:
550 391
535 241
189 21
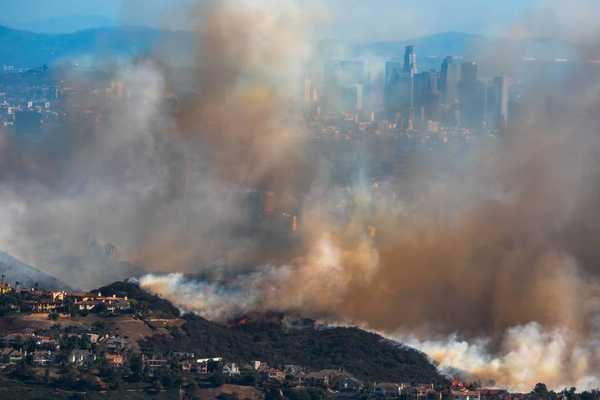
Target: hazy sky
356 19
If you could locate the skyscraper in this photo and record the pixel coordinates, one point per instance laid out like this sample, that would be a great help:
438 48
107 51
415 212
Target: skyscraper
410 60
472 95
498 103
399 90
427 95
449 79
468 72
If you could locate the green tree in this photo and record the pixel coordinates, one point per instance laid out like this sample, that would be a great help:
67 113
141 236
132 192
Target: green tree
136 366
540 390
217 379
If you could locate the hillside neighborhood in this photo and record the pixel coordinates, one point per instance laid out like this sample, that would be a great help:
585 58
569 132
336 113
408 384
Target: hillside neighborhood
104 341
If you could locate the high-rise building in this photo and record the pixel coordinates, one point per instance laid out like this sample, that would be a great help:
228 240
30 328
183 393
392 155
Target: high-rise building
427 96
449 79
410 60
399 90
468 72
472 97
497 103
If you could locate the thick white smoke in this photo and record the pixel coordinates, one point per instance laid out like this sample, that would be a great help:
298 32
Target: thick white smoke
528 354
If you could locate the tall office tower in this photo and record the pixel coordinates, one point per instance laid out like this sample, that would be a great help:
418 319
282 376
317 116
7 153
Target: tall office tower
500 102
410 60
472 97
427 96
359 104
399 90
468 72
393 70
449 78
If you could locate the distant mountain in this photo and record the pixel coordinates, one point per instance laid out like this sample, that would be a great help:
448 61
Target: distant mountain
17 271
470 46
25 49
67 24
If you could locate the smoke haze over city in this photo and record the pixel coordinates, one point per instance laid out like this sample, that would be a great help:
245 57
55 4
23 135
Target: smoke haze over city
268 175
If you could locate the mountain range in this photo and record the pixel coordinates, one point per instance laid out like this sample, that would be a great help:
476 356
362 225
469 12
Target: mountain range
63 24
14 270
25 49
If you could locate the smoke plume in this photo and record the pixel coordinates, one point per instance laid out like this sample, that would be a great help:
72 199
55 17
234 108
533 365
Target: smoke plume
485 257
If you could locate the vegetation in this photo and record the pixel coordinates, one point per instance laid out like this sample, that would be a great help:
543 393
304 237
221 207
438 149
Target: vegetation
269 338
142 301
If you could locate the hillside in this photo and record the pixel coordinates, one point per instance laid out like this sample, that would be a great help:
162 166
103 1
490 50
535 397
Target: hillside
27 49
17 271
132 291
280 339
365 355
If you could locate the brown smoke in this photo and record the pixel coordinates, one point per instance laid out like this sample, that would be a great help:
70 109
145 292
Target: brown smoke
502 246
505 240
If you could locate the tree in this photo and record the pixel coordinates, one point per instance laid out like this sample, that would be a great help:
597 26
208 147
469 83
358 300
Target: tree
53 316
136 366
274 394
541 390
217 379
228 396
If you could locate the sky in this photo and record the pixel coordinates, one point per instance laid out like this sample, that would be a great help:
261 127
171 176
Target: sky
355 19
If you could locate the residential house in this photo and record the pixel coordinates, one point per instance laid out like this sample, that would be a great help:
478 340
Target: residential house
204 365
18 338
387 390
46 342
293 370
81 357
42 358
182 355
426 391
114 359
5 355
466 395
114 344
16 356
93 337
44 305
58 296
5 288
154 362
318 378
231 369
347 384
257 364
186 365
274 374
493 394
